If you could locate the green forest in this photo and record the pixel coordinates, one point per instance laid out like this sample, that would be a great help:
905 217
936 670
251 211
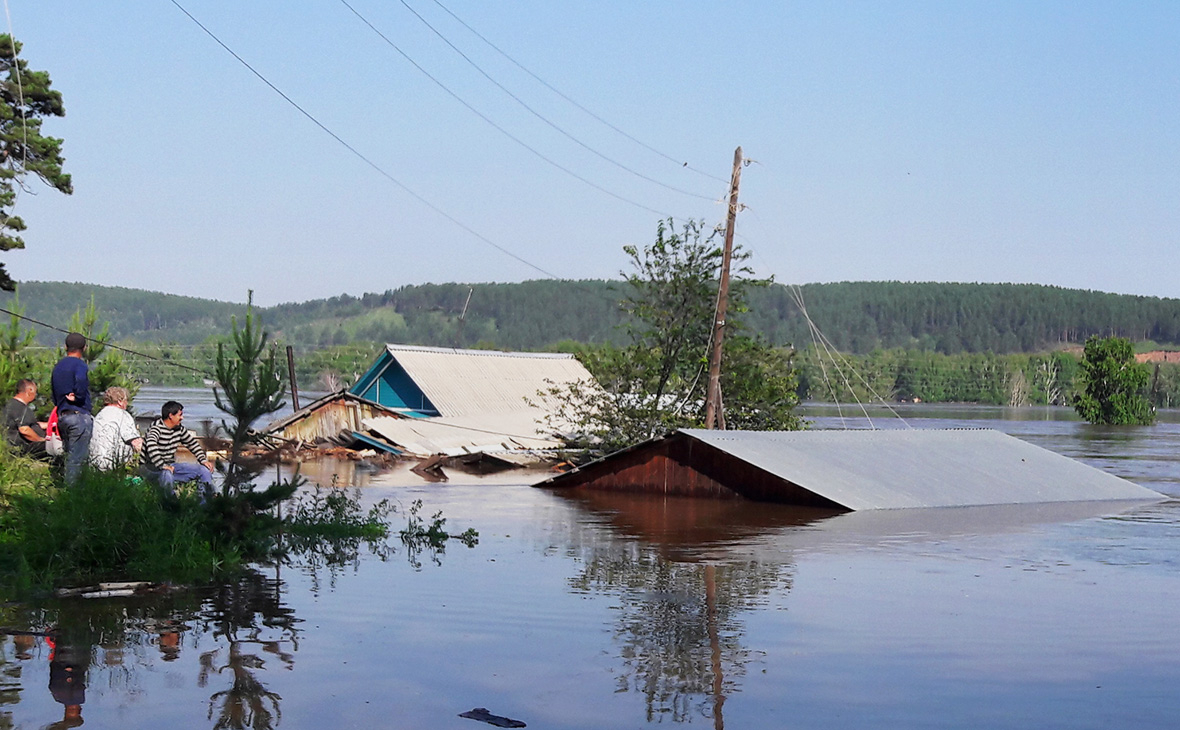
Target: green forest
988 343
858 317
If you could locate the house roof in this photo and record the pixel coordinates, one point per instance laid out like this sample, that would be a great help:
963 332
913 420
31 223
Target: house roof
487 433
857 470
467 382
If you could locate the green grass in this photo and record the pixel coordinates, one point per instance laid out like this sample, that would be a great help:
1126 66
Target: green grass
106 527
109 527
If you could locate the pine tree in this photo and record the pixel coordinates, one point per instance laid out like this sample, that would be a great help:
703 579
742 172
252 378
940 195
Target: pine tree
25 98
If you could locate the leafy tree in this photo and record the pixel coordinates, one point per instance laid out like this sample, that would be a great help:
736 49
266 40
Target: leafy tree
25 98
656 383
759 386
1112 384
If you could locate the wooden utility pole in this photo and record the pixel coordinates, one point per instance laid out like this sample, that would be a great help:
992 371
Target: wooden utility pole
714 410
291 377
463 318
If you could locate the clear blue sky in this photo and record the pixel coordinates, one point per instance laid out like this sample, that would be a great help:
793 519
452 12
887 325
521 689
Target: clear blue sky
948 141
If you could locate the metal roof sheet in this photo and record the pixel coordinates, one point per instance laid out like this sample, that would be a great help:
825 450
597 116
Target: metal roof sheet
467 382
493 432
921 468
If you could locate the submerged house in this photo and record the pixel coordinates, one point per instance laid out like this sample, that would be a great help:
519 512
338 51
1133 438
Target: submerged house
852 470
430 400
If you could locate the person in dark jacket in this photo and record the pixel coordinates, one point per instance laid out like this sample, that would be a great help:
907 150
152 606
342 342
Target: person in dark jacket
71 396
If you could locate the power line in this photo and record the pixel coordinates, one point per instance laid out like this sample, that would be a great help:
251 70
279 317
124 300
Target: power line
538 115
547 85
381 171
493 124
106 344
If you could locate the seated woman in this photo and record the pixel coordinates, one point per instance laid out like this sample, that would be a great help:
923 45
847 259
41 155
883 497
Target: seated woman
115 440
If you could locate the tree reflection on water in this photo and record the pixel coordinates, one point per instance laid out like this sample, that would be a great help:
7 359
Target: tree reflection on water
679 627
106 640
251 617
681 593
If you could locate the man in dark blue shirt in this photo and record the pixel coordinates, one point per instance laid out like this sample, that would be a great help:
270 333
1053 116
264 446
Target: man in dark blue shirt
71 395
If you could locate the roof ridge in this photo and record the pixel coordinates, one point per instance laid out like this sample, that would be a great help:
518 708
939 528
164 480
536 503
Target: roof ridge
392 348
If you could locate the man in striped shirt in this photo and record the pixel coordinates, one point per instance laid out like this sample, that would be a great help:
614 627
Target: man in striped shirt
159 452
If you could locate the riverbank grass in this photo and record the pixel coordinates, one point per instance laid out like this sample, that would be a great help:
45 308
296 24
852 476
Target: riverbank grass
111 527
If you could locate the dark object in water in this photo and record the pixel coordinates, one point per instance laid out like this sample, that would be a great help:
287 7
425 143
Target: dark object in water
482 714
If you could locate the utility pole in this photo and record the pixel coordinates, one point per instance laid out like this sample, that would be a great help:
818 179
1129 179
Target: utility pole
463 318
291 377
714 410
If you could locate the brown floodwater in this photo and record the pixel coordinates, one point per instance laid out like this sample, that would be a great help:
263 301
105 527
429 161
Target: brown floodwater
627 612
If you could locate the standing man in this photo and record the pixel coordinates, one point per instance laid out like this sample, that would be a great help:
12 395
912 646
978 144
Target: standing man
159 452
115 440
25 432
71 395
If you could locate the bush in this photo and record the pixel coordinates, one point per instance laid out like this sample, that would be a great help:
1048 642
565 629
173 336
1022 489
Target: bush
106 527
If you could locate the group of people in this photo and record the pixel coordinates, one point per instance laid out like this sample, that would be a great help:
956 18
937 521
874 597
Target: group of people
110 439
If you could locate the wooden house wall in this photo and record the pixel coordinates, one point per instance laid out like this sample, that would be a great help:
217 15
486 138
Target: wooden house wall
326 423
683 466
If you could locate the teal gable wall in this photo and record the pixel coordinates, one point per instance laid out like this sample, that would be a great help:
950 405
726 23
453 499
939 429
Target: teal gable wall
387 383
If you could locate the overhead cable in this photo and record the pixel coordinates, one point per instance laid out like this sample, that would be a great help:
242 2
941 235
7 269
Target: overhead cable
381 171
547 85
107 344
538 115
496 126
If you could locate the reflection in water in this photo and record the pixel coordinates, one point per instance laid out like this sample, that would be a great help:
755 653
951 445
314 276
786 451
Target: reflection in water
68 664
679 629
683 528
251 617
248 619
10 675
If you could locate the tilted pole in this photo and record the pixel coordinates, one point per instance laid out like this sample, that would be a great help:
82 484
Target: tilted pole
291 377
714 412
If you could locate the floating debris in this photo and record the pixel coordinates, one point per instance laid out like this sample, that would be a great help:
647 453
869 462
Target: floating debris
114 590
482 714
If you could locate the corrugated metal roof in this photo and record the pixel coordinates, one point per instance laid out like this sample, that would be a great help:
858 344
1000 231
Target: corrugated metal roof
491 432
466 382
921 468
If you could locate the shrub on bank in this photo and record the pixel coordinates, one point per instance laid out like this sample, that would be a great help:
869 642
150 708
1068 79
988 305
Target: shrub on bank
104 528
109 527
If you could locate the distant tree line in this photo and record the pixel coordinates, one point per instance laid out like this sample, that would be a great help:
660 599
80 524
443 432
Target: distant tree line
858 317
1019 379
978 343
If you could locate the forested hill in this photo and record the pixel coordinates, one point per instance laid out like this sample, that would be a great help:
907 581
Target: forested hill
856 316
950 318
134 314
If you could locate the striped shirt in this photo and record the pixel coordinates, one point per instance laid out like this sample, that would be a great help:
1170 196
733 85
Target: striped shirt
159 446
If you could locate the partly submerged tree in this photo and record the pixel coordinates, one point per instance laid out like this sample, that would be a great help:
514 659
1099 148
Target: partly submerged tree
656 383
25 99
1112 384
250 386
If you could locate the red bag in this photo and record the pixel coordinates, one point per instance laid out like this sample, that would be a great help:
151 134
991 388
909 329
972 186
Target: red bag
53 444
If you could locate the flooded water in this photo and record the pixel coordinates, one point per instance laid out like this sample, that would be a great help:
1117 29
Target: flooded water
627 612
